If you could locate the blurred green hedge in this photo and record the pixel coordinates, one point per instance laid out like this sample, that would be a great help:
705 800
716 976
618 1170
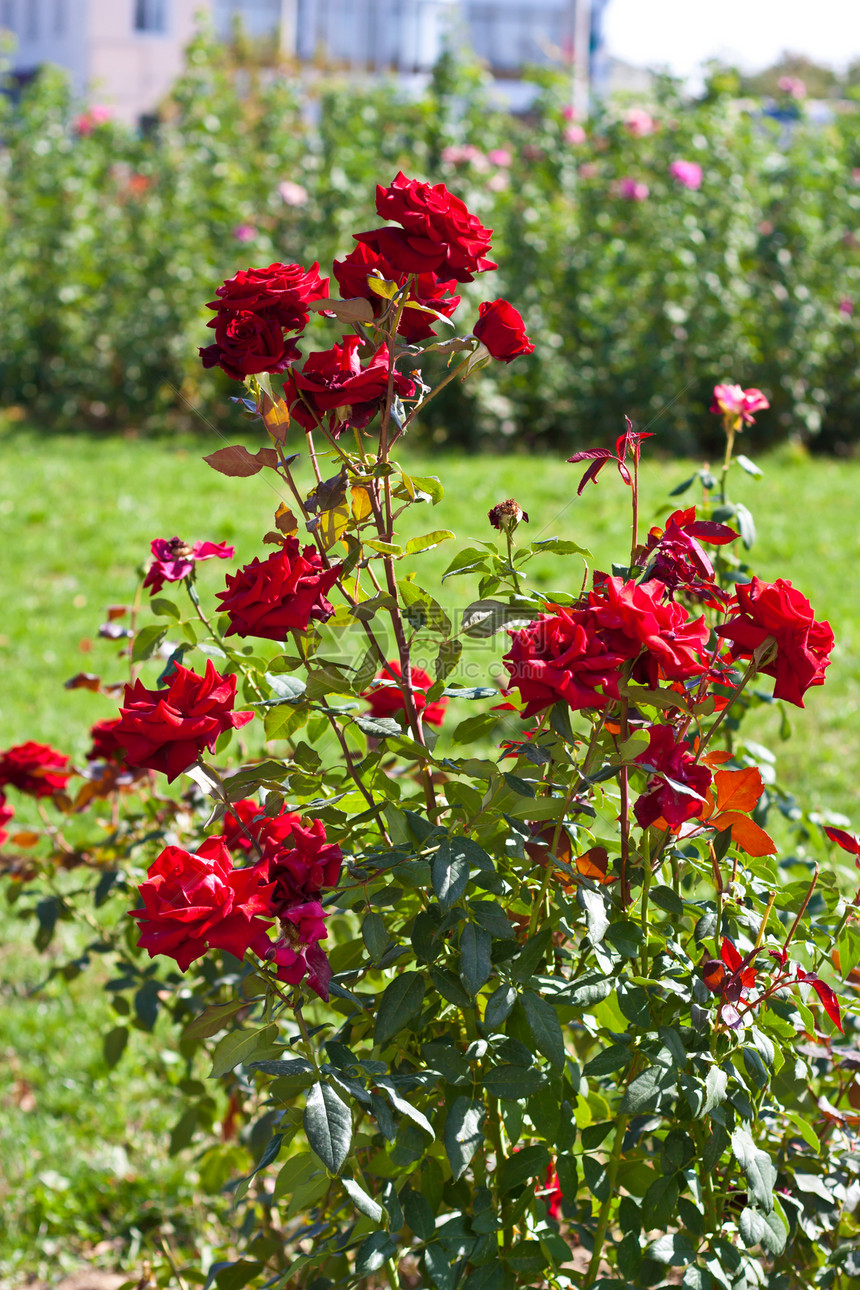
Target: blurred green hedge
113 240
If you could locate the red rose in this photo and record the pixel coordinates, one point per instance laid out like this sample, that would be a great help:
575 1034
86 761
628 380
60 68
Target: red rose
174 560
168 729
679 561
352 276
562 655
282 292
334 383
438 233
247 343
302 862
105 745
34 768
6 813
501 329
387 698
664 799
270 598
296 953
803 645
660 635
192 903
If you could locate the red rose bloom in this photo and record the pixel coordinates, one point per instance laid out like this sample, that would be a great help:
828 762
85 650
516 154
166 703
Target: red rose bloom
438 233
6 813
667 800
501 329
680 562
779 611
562 655
105 745
302 863
34 768
281 292
270 598
352 276
333 383
192 903
386 699
174 560
296 953
239 828
660 635
247 343
168 729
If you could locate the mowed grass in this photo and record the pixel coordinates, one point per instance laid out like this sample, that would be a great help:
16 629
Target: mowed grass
84 1149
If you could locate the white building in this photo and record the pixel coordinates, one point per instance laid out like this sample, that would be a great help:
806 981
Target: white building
126 53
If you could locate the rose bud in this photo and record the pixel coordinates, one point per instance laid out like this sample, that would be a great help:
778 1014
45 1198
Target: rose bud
502 331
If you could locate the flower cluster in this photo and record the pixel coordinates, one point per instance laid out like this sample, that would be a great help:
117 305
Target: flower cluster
678 784
675 557
300 863
577 655
333 387
255 311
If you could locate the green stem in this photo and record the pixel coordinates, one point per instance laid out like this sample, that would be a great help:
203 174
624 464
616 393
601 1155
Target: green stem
603 1217
514 577
646 885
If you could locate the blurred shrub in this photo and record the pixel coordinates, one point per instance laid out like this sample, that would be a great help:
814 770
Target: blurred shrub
636 286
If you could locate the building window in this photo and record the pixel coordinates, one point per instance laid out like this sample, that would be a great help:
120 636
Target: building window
150 15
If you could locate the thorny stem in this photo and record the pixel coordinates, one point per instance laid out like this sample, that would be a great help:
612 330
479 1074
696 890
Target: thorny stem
625 812
802 910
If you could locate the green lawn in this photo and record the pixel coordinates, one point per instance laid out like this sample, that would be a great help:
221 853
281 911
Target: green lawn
77 514
83 1152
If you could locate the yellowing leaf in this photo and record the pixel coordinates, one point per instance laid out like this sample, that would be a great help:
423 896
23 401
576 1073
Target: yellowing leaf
332 525
276 416
361 506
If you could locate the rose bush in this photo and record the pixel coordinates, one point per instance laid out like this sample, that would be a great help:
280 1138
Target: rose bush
542 981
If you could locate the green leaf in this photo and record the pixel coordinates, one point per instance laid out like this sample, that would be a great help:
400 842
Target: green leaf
766 1230
596 916
716 1086
697 1279
682 487
499 1006
238 1047
757 1165
521 1166
375 935
418 1213
213 1019
475 963
513 1083
643 1092
674 1249
363 1203
466 561
146 642
113 1044
545 1027
400 1002
378 727
489 1276
746 525
749 466
233 1276
450 870
439 1266
428 541
328 1126
165 608
660 1202
464 1133
430 485
625 937
373 1252
666 899
530 956
560 546
285 688
295 1173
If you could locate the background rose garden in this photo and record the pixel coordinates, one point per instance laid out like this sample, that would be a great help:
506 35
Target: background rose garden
626 259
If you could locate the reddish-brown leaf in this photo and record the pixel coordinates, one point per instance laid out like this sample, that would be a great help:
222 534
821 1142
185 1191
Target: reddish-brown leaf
745 833
738 790
237 462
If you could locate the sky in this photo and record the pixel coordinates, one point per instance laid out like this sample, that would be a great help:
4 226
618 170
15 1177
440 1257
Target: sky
752 34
